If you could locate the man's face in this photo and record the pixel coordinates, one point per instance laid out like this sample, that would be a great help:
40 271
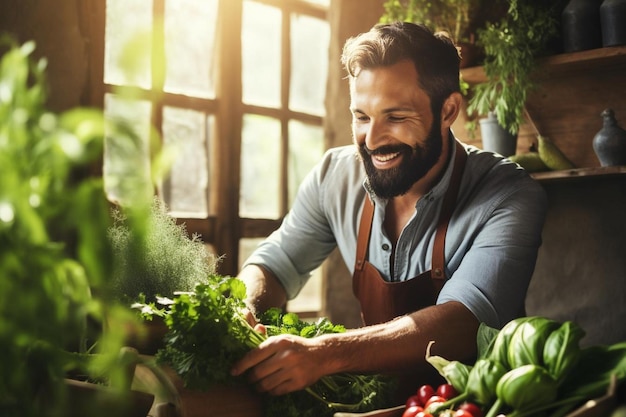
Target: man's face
398 138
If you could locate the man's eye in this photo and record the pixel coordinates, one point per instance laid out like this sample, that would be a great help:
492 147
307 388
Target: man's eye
396 118
361 118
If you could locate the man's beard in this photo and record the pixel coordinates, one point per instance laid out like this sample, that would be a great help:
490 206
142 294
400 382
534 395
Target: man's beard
416 162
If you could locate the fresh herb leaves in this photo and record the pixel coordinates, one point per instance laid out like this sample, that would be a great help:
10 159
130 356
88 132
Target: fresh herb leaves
207 333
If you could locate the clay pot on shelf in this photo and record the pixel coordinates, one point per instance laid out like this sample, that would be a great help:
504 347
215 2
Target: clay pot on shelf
609 143
496 138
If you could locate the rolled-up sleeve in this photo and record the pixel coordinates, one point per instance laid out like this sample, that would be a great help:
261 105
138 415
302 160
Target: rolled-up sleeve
307 234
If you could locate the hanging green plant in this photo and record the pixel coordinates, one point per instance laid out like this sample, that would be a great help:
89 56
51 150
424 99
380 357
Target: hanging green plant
511 46
453 16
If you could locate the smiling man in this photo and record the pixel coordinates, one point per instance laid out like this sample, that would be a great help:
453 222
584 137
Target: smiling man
440 236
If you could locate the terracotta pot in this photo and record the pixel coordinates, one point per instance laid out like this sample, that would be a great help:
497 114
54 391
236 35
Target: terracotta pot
88 399
173 399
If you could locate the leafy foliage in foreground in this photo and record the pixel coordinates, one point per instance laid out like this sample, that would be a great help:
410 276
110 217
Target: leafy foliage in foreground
55 260
207 333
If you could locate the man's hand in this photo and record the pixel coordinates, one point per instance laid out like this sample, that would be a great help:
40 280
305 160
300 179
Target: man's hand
281 364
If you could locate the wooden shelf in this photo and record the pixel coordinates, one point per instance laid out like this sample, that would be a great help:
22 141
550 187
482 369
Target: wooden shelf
579 173
566 62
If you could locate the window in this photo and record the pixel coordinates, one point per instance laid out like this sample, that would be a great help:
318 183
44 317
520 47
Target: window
236 89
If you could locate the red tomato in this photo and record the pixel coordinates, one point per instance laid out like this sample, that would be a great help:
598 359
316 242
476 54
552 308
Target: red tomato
413 400
424 393
446 391
412 411
471 408
462 413
435 399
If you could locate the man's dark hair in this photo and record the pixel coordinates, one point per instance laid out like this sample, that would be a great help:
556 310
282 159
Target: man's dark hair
434 55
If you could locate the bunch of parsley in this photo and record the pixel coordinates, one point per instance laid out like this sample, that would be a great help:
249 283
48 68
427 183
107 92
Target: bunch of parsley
207 333
339 392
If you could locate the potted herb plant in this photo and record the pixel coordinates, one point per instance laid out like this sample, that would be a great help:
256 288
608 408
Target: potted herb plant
55 262
159 262
165 260
511 46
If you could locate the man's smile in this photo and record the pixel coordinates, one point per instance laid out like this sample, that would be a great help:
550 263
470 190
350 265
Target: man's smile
385 160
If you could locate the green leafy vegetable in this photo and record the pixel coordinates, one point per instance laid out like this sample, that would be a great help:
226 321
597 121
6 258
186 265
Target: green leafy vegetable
560 376
592 376
457 374
526 344
277 322
482 380
561 351
500 347
208 333
523 388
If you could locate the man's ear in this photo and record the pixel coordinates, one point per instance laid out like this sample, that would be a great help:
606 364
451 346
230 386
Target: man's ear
450 109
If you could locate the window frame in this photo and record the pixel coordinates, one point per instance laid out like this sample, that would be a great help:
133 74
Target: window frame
223 227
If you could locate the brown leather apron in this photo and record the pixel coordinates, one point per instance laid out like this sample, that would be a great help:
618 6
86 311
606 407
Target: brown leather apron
381 300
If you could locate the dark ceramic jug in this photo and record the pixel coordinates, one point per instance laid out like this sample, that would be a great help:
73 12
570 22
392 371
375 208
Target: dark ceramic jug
581 25
613 21
609 143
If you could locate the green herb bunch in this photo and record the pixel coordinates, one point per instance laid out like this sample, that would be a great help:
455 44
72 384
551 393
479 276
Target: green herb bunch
207 333
340 392
162 260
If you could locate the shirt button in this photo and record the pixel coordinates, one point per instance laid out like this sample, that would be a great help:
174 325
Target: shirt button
385 247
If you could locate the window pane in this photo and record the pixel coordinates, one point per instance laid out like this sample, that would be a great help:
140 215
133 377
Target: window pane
189 47
128 45
126 166
306 146
187 187
261 52
310 38
309 299
320 2
246 247
260 168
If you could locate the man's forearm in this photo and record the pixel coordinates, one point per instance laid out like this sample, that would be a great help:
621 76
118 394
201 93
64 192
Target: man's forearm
262 288
400 345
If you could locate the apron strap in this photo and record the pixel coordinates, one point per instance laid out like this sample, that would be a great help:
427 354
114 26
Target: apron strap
449 202
363 236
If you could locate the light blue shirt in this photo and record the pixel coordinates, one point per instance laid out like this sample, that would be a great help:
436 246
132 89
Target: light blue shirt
491 244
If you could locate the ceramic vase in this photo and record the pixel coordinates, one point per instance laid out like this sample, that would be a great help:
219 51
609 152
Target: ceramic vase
609 143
